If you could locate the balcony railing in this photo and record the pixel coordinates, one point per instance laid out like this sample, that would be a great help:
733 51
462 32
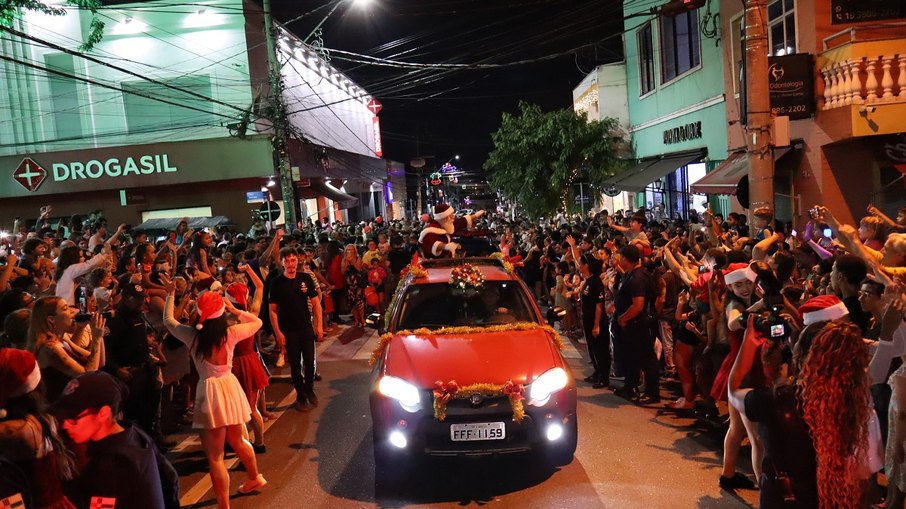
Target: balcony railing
864 65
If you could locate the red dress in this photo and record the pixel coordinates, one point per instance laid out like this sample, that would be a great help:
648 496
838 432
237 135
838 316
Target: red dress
247 366
754 379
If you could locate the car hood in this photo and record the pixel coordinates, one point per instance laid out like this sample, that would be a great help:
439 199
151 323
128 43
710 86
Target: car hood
489 357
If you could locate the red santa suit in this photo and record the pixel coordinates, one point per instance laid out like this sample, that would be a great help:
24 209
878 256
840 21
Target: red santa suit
434 237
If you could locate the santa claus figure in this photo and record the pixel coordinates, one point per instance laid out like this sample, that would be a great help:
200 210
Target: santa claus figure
435 239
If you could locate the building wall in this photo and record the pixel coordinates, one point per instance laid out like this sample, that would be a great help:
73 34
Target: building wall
698 90
602 94
164 46
846 177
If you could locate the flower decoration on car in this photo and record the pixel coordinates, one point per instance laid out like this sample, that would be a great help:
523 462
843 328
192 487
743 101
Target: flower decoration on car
466 277
510 327
415 268
507 264
444 392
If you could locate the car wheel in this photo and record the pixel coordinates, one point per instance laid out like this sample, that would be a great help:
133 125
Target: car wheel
562 454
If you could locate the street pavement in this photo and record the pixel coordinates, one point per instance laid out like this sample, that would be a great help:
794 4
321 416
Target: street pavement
628 456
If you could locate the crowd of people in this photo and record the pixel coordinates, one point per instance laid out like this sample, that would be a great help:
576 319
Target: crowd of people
799 336
794 338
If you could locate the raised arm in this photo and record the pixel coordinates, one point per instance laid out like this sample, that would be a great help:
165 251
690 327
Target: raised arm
255 305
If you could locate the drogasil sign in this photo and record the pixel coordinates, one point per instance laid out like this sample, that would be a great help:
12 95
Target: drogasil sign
31 174
113 167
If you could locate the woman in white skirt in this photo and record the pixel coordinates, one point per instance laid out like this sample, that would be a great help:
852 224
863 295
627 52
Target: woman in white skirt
221 408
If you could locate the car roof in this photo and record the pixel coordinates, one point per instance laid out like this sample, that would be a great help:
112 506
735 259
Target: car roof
439 269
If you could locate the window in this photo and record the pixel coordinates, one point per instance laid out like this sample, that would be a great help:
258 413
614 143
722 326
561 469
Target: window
782 27
679 45
736 55
144 114
646 60
64 96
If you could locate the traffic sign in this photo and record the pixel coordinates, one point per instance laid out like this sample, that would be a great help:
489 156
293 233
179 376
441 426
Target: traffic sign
30 174
269 211
375 106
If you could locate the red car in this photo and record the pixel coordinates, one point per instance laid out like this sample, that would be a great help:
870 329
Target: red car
468 367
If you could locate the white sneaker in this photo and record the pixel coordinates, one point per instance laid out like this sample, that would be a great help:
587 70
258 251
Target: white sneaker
281 361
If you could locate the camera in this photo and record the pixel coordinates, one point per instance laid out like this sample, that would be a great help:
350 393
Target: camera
768 322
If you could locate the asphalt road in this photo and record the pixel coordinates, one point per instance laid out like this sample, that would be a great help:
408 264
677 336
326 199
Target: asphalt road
628 456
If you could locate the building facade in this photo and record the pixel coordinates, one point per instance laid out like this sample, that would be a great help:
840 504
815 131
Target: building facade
168 115
845 146
675 97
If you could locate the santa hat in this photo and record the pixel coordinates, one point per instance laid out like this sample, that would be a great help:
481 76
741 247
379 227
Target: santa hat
737 272
210 305
19 374
442 210
207 284
238 293
823 308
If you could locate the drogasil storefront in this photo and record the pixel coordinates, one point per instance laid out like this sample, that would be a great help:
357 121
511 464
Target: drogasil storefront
215 173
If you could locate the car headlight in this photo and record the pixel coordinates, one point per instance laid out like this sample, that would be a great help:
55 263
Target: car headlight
402 391
546 384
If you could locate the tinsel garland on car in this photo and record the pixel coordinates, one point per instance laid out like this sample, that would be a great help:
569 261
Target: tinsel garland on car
444 392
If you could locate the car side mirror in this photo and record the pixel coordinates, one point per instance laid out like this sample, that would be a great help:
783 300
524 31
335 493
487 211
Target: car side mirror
373 320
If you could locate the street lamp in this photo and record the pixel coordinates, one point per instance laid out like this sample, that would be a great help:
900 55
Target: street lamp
360 3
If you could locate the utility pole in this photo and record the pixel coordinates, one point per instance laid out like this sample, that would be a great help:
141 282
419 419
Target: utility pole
758 108
280 120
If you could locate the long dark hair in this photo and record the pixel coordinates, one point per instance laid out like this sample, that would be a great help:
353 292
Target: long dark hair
69 255
32 404
332 251
211 336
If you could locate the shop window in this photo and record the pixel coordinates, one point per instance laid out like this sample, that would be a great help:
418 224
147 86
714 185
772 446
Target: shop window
145 114
782 27
64 97
680 45
646 59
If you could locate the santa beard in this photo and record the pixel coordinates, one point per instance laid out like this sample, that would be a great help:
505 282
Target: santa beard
447 224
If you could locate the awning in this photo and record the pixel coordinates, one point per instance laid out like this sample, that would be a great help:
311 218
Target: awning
197 223
318 187
726 177
637 178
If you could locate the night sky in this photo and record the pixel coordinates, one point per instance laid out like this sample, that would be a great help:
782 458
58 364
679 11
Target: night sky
441 113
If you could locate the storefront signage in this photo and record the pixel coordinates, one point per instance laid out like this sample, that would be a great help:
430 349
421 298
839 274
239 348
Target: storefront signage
690 131
113 167
857 11
376 128
135 166
791 83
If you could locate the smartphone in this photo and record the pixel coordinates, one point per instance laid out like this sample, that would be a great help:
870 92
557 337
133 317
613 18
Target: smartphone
794 233
828 233
84 317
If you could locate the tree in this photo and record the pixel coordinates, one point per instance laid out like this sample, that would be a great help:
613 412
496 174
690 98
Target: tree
538 157
11 9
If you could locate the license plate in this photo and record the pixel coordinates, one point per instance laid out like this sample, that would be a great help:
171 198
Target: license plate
477 431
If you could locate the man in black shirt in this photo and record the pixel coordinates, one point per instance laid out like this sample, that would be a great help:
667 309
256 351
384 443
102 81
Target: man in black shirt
633 315
593 316
846 279
294 327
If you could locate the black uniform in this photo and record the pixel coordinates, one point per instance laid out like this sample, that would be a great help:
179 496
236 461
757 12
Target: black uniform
598 345
291 298
127 347
637 335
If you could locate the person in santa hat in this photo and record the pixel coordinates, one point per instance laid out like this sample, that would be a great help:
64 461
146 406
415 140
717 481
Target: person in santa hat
436 238
29 437
221 407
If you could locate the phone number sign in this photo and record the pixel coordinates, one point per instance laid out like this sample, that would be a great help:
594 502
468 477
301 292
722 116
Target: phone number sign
791 86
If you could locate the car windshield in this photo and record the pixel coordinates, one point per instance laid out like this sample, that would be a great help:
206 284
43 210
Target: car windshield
442 305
